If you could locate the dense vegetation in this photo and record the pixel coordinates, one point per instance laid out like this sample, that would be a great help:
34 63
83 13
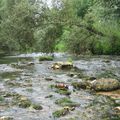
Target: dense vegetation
77 26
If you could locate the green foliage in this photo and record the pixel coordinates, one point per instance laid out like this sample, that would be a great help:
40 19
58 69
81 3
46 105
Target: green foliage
45 58
17 26
47 37
60 47
77 26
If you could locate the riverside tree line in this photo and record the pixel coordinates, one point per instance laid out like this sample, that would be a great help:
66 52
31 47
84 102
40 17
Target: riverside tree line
76 26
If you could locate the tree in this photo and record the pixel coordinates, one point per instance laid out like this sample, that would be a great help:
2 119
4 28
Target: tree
17 25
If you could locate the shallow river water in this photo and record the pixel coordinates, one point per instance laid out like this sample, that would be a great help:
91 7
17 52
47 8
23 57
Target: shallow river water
30 81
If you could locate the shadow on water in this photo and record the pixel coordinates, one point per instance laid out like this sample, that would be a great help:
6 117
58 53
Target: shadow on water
8 59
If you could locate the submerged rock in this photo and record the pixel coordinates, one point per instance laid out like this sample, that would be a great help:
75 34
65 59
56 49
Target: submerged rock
18 84
106 61
105 84
66 102
61 89
49 96
6 118
36 107
2 98
100 108
108 74
81 85
62 65
24 102
48 79
63 92
7 68
77 74
60 113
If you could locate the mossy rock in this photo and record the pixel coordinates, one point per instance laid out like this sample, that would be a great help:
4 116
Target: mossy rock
13 84
81 85
115 117
62 65
6 118
36 107
59 86
66 102
60 113
29 90
22 101
105 84
63 92
49 96
46 58
15 95
77 75
2 98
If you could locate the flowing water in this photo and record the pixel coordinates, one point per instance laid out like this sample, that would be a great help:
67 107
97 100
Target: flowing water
30 81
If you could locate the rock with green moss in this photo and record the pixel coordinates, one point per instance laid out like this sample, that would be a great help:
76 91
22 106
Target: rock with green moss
18 84
78 74
62 65
63 92
105 84
21 101
61 89
60 113
49 96
2 98
66 102
11 94
45 58
81 85
6 118
36 107
24 103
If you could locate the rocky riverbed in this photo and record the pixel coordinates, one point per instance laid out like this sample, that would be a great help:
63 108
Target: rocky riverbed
32 90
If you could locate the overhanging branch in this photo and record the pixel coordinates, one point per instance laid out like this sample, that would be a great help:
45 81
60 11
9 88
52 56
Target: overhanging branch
89 29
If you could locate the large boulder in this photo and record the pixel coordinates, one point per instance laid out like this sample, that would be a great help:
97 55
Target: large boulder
105 84
62 65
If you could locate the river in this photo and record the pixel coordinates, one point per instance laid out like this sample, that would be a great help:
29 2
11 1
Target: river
31 79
